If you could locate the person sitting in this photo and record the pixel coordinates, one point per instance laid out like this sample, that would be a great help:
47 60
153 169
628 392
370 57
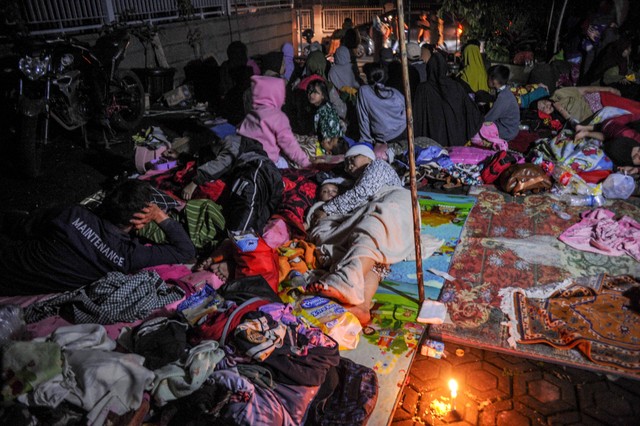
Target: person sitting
235 74
341 73
289 63
326 121
67 248
255 181
381 109
273 64
298 108
267 124
611 68
505 112
442 109
473 72
414 56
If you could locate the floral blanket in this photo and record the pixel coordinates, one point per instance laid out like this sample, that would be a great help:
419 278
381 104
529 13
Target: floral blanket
582 155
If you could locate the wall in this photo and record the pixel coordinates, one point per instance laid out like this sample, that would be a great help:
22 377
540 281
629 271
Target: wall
261 31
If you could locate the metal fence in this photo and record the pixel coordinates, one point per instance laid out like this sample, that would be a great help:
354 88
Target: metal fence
332 19
305 19
64 16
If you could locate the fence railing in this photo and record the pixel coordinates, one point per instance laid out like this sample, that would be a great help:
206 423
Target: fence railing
306 19
332 19
64 16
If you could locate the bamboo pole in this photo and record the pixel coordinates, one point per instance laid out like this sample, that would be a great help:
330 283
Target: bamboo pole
546 39
557 39
412 159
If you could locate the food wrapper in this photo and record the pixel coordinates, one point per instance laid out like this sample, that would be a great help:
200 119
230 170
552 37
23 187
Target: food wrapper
332 318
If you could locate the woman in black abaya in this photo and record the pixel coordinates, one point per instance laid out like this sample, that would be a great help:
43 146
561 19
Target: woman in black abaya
442 109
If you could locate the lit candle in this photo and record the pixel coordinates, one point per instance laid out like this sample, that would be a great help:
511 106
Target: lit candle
453 387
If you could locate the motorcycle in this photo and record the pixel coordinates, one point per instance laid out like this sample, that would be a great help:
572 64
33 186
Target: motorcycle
76 85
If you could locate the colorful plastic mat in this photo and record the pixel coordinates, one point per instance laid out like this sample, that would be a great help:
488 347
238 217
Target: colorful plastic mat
390 342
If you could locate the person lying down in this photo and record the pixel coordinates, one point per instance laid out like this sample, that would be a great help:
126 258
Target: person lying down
361 232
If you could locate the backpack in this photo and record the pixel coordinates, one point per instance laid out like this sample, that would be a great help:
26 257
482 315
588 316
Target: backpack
351 402
522 178
495 165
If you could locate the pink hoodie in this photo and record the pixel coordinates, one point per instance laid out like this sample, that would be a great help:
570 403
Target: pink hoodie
267 124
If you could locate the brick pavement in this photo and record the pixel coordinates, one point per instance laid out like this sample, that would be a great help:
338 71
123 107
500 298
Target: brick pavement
504 390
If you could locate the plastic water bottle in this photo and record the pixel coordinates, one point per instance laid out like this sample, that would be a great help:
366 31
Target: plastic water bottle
566 177
583 200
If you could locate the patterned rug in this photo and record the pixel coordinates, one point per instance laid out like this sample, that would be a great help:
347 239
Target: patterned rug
512 242
596 315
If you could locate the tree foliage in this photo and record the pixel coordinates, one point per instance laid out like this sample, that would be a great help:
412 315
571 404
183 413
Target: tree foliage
505 25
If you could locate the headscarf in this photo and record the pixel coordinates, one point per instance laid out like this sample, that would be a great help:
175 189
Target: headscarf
289 66
341 73
360 149
237 54
442 109
272 61
316 64
473 71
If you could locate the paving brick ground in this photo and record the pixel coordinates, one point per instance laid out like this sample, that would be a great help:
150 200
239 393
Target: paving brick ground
503 390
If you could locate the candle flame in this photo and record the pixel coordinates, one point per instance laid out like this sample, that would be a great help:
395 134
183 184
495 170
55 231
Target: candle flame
453 387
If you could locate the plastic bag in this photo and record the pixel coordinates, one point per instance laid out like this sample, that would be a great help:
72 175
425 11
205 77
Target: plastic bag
618 185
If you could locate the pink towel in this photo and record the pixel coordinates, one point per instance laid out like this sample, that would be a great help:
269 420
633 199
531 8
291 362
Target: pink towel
599 232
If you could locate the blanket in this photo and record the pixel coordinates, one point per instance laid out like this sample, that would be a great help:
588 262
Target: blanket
379 230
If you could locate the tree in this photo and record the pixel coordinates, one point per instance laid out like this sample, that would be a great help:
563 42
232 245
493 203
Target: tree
505 25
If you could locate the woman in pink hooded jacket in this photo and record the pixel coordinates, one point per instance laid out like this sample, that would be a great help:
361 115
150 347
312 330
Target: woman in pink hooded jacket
267 124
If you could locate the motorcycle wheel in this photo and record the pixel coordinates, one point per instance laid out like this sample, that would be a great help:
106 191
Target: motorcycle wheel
29 148
360 51
129 94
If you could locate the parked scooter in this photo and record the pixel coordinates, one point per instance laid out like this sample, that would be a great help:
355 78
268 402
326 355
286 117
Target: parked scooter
76 84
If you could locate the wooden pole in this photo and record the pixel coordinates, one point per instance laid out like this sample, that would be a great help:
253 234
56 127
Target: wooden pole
557 39
546 39
412 158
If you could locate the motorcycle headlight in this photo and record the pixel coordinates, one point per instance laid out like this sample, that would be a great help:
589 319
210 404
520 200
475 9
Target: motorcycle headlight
34 67
66 60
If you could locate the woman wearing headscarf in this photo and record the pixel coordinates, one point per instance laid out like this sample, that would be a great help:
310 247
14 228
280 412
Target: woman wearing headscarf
316 67
289 65
299 111
612 67
473 71
272 64
341 73
442 109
